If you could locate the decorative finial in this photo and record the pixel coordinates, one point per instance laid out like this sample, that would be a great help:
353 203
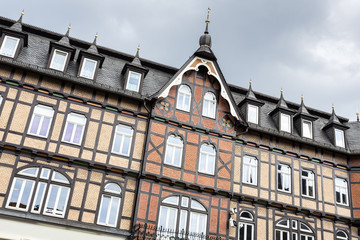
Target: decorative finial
68 31
207 21
69 27
22 13
357 115
21 16
250 82
332 106
138 48
137 51
302 97
95 37
281 90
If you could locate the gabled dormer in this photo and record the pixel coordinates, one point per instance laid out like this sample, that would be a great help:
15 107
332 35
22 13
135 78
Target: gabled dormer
13 39
282 115
250 107
61 52
335 130
303 121
134 73
90 61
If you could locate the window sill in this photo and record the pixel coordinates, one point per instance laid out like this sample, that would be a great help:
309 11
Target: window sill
39 136
284 192
205 173
250 184
171 165
120 154
76 144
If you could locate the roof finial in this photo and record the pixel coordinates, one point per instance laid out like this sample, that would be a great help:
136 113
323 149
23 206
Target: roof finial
250 82
137 51
95 37
357 115
207 21
68 30
302 97
21 16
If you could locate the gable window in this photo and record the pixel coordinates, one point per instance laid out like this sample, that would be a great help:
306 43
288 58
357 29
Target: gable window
209 105
133 81
74 128
58 60
183 98
88 68
284 178
341 235
174 148
122 140
182 217
250 168
307 183
50 190
110 204
307 128
339 138
246 226
207 159
41 121
285 122
341 189
9 46
297 230
253 114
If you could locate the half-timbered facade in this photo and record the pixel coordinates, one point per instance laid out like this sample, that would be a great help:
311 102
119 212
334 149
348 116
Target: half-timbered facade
98 144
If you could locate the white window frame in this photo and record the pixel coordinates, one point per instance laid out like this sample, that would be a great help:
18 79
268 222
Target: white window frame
339 139
76 123
112 198
21 192
3 45
41 198
281 235
83 66
342 189
123 136
57 51
185 96
1 98
304 123
284 174
139 81
171 147
208 159
55 212
285 119
250 167
341 237
255 111
309 180
210 99
48 112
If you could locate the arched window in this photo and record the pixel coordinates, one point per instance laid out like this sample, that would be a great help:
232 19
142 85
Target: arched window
110 205
51 189
183 98
293 229
209 105
183 217
174 149
341 235
207 159
246 226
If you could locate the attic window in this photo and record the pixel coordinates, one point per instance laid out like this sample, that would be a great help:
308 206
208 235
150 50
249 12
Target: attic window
253 114
9 46
209 105
88 68
133 81
339 138
58 60
306 128
285 123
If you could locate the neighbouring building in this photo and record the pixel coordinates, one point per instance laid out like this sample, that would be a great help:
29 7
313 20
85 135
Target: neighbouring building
99 144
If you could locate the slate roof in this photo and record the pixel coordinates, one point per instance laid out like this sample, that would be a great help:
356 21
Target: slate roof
35 57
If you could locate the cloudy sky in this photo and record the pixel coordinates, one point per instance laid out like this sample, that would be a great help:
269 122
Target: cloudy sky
304 47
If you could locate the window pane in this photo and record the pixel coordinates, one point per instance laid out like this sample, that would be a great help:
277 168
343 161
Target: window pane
104 209
35 124
68 132
44 127
133 81
285 122
339 138
59 177
51 199
26 194
113 188
15 192
58 61
183 218
253 114
117 142
62 200
39 197
88 68
78 133
307 129
114 211
126 145
9 46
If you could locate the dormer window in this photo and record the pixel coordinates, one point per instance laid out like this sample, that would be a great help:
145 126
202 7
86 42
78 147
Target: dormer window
285 122
58 60
88 68
253 114
307 129
209 105
133 81
9 46
339 138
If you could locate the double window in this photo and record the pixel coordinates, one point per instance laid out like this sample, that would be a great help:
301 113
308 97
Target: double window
58 60
339 138
307 183
9 46
253 114
246 226
284 178
285 122
184 98
88 68
250 169
50 190
341 191
307 129
110 205
207 159
41 121
74 128
209 105
133 81
292 229
174 149
122 140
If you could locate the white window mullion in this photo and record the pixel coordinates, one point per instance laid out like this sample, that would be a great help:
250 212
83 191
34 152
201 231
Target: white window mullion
21 193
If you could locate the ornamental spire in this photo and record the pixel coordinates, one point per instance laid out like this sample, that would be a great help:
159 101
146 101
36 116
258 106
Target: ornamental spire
205 39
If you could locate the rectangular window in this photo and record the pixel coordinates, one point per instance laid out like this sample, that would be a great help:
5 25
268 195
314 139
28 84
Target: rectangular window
122 140
307 183
285 123
109 209
39 197
253 114
284 178
250 168
207 159
74 128
9 46
41 121
282 235
246 231
339 138
307 129
56 201
197 223
20 194
133 81
167 218
341 189
88 68
58 60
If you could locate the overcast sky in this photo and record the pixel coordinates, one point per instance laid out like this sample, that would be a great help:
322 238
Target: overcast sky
304 47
